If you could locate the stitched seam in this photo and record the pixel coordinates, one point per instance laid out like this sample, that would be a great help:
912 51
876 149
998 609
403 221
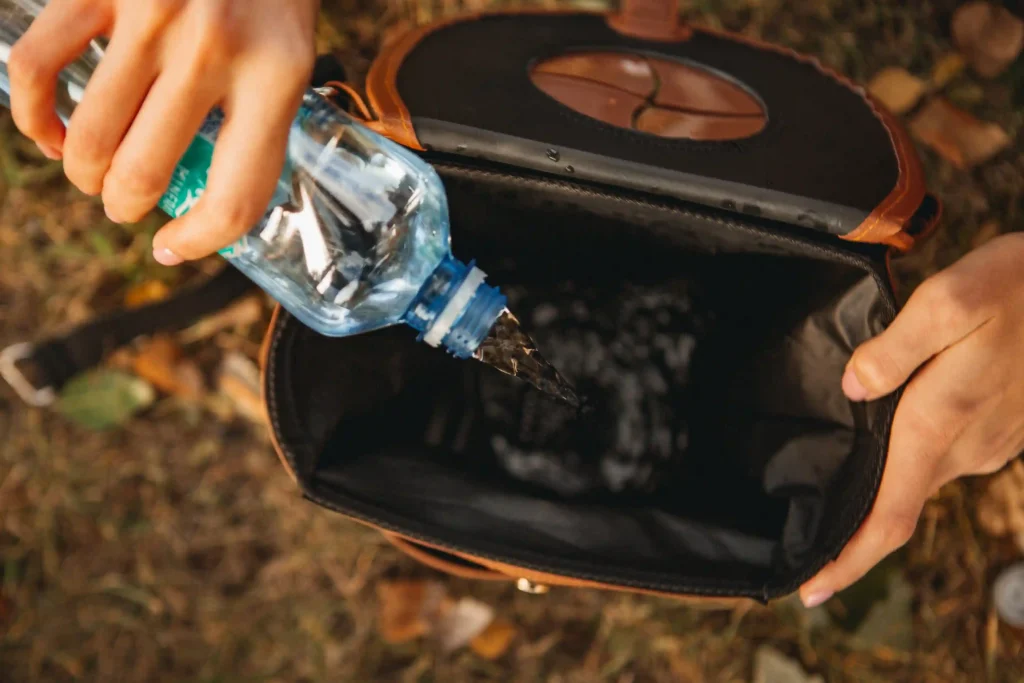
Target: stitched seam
902 179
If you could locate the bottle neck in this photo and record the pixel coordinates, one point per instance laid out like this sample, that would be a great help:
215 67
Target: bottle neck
455 308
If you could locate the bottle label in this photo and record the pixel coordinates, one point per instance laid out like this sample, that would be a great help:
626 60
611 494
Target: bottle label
189 180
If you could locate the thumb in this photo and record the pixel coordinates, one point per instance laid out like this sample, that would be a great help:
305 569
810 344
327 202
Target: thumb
932 321
908 481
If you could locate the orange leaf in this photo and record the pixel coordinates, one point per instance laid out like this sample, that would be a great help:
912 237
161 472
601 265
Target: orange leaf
495 640
146 293
897 89
407 610
946 69
990 37
160 363
957 136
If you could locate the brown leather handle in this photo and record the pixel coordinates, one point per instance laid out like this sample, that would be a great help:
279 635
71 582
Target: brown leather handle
650 20
462 568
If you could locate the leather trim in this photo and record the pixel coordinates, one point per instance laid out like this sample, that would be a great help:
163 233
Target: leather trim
264 361
394 120
885 225
656 20
416 552
512 573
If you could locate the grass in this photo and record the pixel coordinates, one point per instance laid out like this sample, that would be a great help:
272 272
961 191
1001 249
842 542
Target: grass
177 549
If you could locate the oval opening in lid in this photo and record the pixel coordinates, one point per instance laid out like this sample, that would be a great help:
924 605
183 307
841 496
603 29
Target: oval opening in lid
652 95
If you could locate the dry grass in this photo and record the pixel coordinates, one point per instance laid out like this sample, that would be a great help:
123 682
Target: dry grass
177 549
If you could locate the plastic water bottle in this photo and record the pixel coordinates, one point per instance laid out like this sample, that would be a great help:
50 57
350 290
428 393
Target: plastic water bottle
356 237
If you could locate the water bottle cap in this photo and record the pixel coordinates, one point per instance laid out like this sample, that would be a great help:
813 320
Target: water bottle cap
455 307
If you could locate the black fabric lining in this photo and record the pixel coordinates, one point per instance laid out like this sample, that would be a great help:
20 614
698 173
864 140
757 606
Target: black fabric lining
302 434
823 142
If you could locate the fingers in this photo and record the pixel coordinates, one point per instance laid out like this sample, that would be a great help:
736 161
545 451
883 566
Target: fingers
160 77
940 406
112 99
908 482
165 126
940 313
249 154
56 38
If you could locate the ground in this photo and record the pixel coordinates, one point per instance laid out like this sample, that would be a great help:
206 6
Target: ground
176 548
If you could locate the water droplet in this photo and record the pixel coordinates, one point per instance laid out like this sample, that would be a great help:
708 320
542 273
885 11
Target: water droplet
570 169
554 154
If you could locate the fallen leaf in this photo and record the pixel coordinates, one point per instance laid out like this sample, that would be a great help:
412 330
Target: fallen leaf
103 399
239 381
991 37
161 363
1001 509
463 622
946 69
957 136
146 293
495 639
241 314
771 666
407 610
897 89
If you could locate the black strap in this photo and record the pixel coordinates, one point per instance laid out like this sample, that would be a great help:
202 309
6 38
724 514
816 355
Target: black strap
37 371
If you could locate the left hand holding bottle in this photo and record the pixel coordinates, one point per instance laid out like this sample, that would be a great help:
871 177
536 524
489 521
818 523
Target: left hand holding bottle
167 64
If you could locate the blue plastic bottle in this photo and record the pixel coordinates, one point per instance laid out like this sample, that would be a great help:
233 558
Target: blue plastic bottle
356 237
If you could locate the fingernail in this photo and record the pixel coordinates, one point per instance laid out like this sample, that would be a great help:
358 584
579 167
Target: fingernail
51 153
166 257
815 599
852 387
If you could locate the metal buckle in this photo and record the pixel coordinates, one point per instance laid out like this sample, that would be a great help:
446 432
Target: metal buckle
30 394
527 586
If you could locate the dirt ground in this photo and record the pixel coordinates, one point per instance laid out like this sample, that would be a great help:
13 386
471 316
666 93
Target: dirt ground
176 548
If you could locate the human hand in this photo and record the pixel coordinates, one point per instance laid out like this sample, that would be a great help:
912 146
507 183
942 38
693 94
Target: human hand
961 341
167 64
